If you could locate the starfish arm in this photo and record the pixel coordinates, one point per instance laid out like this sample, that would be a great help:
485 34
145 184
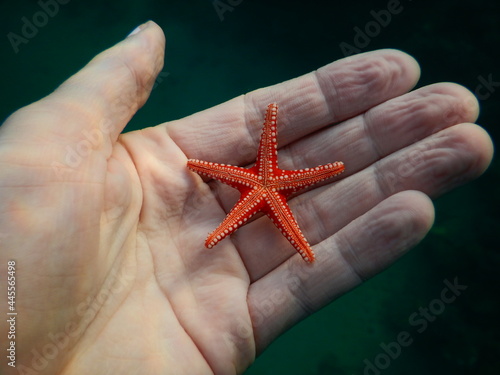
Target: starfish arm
280 214
237 177
248 205
267 157
289 182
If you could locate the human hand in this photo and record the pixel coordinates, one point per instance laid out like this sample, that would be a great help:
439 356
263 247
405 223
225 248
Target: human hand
107 230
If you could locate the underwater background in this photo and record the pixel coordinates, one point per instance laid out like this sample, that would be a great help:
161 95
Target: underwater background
220 49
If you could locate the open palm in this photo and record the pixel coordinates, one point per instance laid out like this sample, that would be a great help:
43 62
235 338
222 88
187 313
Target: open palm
107 230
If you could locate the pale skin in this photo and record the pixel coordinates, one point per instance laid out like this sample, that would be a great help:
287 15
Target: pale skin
107 230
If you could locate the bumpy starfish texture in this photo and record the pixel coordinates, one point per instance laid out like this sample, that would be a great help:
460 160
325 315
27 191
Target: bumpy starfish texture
265 187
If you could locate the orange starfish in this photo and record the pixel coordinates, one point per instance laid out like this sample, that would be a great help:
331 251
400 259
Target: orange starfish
265 187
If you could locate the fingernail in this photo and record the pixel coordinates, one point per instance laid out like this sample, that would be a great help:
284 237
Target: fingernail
139 28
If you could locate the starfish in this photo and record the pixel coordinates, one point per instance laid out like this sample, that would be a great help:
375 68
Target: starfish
265 187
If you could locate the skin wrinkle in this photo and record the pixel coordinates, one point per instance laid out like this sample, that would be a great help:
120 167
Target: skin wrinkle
116 116
47 117
225 196
304 203
176 312
332 112
301 299
304 154
387 132
348 250
457 172
253 131
413 225
168 295
386 232
366 76
138 92
308 280
348 255
363 76
72 355
291 158
142 82
319 227
412 107
368 133
381 182
311 213
295 290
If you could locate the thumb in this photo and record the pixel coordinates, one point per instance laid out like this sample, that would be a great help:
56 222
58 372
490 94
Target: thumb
100 99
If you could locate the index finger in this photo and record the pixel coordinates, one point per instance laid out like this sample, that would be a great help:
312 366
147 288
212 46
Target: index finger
229 133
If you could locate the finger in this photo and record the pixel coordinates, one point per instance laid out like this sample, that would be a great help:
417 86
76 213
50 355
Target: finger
434 165
385 128
96 103
361 249
229 133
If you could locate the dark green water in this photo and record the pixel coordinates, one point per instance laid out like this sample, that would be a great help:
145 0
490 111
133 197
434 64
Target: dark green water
258 43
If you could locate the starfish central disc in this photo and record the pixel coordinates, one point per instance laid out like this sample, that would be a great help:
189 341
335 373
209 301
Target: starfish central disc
264 187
